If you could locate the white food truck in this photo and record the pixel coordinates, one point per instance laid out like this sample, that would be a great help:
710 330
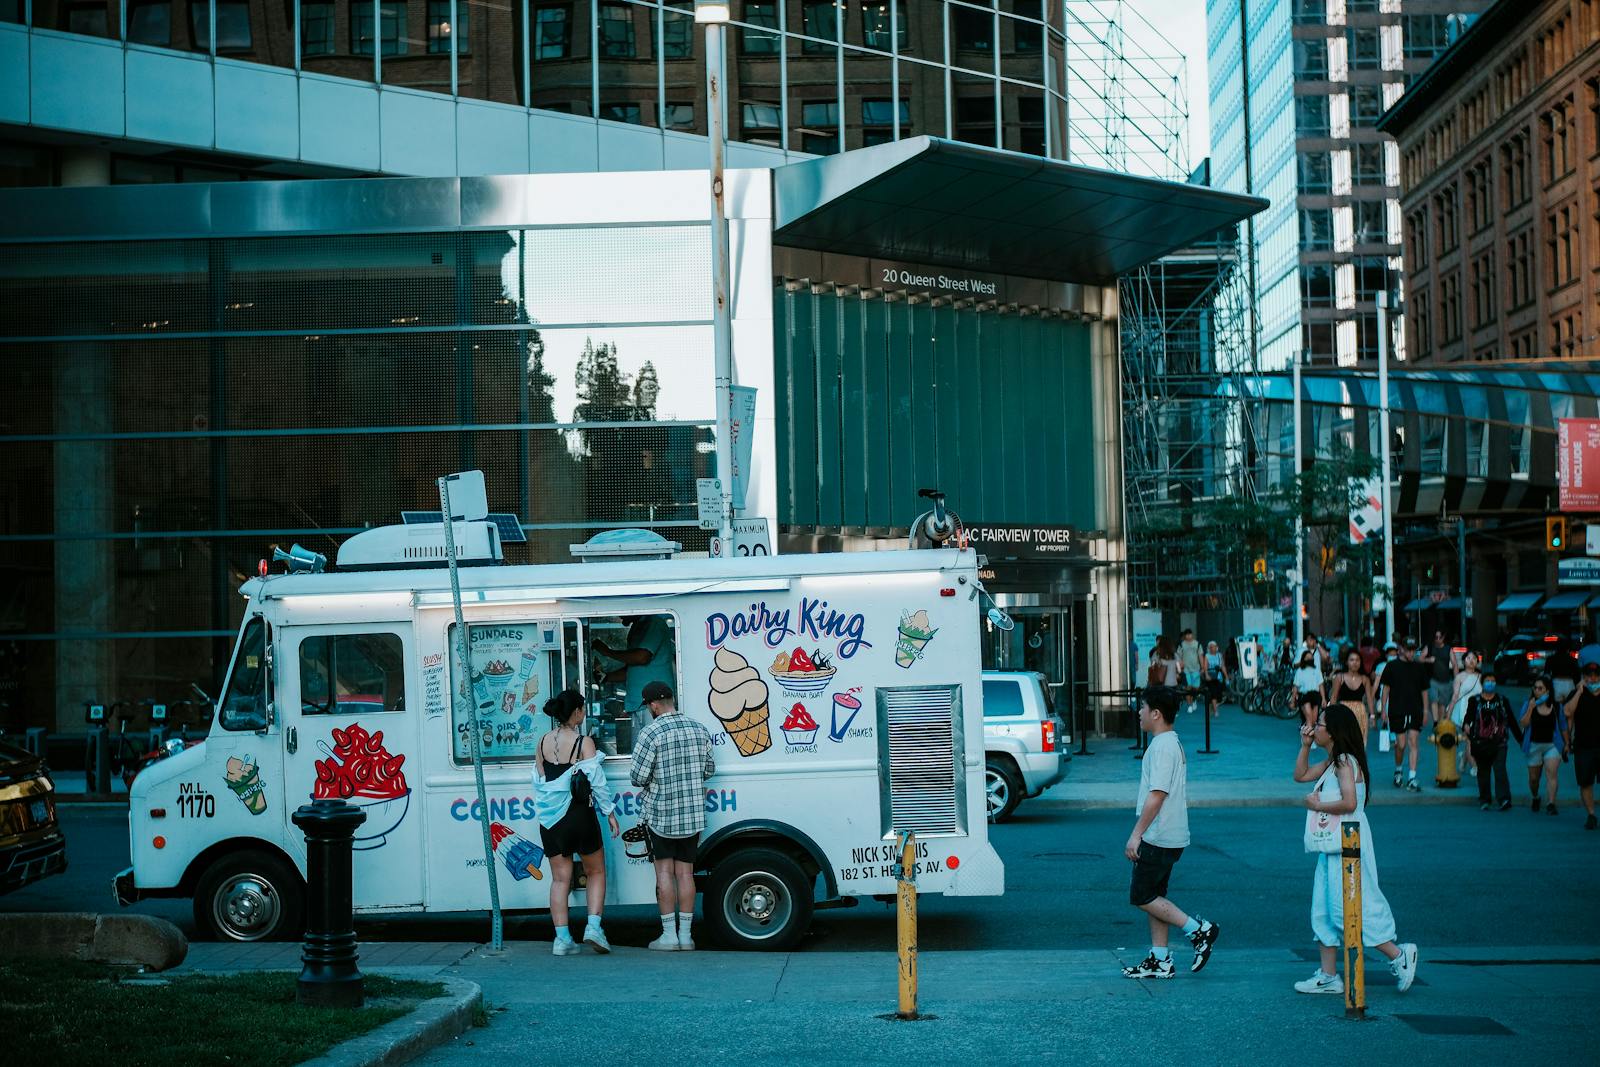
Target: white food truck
842 691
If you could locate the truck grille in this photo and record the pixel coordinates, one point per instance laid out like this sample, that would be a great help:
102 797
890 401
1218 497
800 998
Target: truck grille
919 759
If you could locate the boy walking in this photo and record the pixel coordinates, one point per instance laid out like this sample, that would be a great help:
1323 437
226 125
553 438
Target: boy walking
1159 837
1489 724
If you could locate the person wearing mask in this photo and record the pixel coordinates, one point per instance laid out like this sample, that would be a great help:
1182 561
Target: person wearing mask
1353 688
1391 652
1190 663
1583 721
1544 740
1468 684
1404 686
1340 794
1489 725
569 783
1308 680
1215 672
1442 676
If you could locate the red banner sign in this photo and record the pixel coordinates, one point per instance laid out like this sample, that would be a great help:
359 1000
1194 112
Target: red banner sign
1579 464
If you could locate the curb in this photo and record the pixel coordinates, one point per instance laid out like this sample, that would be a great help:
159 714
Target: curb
434 1022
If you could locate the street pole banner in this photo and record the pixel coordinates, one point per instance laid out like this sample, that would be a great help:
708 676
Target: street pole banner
1366 518
743 432
1578 464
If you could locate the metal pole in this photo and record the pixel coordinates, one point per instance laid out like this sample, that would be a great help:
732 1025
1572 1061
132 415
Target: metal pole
1383 433
722 320
906 923
1299 521
1355 964
463 696
1461 571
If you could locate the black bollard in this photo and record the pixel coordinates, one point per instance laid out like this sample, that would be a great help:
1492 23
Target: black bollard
329 977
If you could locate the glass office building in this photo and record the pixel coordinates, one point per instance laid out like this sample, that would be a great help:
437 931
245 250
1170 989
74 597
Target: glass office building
1297 87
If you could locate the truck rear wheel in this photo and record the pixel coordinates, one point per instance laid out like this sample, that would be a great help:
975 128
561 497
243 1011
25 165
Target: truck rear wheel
249 896
1002 788
758 899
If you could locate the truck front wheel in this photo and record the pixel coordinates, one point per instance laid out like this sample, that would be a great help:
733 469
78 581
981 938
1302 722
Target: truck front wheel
249 896
758 899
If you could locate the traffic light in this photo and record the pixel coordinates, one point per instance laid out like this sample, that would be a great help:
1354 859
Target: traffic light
1261 568
1555 533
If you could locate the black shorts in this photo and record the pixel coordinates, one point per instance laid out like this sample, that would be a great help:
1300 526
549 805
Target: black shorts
1151 873
1586 765
673 848
577 833
1404 721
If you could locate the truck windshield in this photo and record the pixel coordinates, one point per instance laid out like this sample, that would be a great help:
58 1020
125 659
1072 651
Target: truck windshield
244 704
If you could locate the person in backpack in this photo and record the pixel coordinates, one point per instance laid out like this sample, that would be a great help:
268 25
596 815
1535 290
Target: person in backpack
1489 723
569 783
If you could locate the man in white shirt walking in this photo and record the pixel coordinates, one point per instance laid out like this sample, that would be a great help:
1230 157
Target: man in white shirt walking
1159 837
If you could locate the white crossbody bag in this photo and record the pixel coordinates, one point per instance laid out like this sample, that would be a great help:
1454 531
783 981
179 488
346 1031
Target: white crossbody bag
1322 829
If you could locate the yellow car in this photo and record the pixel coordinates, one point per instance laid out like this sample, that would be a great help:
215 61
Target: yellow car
31 845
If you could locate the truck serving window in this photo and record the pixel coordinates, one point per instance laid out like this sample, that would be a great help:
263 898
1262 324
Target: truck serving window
627 652
244 705
515 667
352 674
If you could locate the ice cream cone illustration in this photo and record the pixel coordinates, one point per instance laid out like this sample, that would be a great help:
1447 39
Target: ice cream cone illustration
915 633
739 701
244 778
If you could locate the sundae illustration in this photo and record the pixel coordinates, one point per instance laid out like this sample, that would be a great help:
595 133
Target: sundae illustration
845 709
739 701
359 769
915 633
521 856
636 843
801 675
800 728
497 672
244 778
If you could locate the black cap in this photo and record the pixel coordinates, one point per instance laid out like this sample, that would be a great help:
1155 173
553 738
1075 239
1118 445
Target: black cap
654 691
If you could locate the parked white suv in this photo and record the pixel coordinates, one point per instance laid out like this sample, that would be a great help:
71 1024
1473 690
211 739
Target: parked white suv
1023 740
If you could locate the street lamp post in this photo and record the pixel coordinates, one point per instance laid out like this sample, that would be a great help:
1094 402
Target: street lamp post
714 15
1299 520
1384 449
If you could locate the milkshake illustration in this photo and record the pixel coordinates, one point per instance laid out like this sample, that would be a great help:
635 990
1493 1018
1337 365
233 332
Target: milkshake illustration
739 701
521 856
915 633
244 778
845 710
529 659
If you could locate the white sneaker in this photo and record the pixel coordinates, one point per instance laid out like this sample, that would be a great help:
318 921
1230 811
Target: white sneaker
596 937
565 946
1404 966
1321 983
666 943
685 943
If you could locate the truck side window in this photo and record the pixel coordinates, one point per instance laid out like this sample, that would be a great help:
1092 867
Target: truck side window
352 674
244 704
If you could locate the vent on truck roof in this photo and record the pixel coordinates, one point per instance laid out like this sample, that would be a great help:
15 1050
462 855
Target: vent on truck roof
419 547
922 786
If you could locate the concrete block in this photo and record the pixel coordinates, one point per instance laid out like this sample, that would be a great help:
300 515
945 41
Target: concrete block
133 940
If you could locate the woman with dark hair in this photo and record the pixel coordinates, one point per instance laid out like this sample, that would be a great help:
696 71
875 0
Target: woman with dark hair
1164 661
1544 741
1352 687
569 783
1341 795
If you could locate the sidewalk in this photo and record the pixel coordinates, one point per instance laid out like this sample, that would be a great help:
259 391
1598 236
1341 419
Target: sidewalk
1253 767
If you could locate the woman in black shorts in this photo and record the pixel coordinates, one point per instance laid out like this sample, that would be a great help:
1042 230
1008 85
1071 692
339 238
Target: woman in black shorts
567 823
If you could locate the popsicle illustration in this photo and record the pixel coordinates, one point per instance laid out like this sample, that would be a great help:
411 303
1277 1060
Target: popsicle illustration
915 633
521 856
738 699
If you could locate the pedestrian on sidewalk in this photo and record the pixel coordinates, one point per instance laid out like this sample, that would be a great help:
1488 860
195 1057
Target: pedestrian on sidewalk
1190 661
1438 658
1583 723
569 783
1215 678
1488 725
1353 687
671 762
1159 837
1340 795
1163 663
1468 684
1544 741
1308 680
1404 683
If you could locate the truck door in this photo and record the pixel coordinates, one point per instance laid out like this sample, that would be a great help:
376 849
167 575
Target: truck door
351 731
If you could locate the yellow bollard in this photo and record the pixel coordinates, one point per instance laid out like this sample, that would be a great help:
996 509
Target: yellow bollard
1355 964
906 923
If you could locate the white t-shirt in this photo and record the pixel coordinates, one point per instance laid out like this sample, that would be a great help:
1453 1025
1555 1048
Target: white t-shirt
1307 679
1164 768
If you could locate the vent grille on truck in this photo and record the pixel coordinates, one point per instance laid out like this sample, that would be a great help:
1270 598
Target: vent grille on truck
922 787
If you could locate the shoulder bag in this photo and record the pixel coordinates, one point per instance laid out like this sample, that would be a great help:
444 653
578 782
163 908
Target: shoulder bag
1322 829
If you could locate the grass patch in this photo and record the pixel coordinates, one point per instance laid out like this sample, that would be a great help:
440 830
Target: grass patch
66 1013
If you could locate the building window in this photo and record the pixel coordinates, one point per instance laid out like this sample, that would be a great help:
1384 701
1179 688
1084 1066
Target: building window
819 127
392 15
760 42
1557 128
1317 340
680 116
622 111
1310 12
1365 52
1316 285
1369 164
878 118
233 25
974 30
975 119
1371 221
1450 308
759 117
677 31
1371 278
552 33
1425 35
150 22
1519 271
1445 225
616 31
1593 87
1366 104
1311 116
1563 335
1514 171
1417 239
1480 195
1029 36
87 18
875 24
441 29
821 19
1316 172
1560 245
1316 228
1311 58
1483 286
1420 313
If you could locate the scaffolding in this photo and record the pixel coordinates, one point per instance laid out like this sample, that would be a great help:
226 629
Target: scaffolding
1127 92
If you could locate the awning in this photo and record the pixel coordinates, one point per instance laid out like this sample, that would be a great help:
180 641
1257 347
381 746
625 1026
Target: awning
1519 602
1423 603
1568 601
949 204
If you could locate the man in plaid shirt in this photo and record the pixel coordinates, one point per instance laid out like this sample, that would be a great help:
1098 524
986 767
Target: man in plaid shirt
671 762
